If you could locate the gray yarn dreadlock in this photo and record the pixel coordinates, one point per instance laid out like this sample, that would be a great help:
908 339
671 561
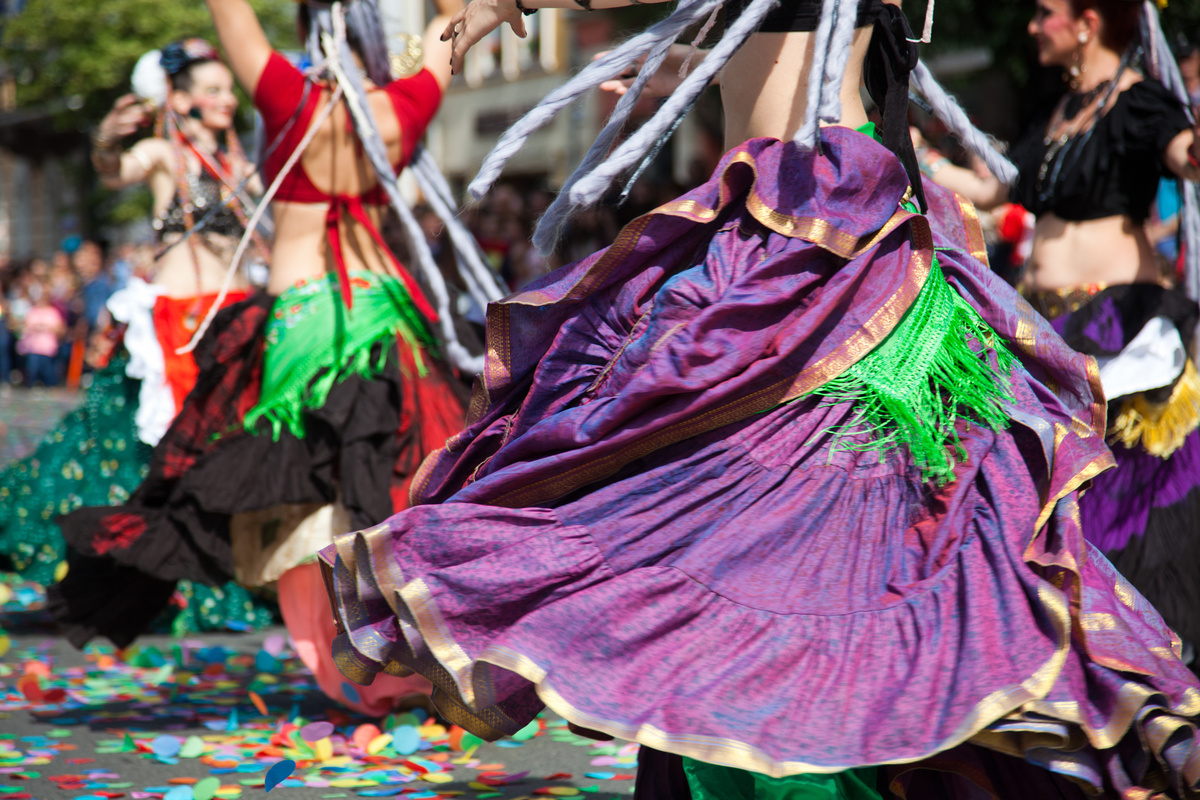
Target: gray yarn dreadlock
331 26
1161 65
600 169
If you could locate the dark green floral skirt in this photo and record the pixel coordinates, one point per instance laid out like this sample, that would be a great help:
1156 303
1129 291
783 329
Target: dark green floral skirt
94 457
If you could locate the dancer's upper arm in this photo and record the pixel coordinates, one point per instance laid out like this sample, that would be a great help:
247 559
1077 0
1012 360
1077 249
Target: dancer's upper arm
243 40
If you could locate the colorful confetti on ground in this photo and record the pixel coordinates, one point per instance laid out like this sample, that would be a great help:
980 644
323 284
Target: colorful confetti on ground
227 716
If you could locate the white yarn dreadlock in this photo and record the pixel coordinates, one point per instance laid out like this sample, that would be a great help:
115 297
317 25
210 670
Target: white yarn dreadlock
1160 65
329 49
600 169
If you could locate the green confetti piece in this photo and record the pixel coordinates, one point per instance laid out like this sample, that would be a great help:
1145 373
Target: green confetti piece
206 788
527 733
254 782
470 742
127 745
59 733
193 747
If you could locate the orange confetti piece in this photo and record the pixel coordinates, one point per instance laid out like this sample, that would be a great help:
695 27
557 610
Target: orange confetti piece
259 704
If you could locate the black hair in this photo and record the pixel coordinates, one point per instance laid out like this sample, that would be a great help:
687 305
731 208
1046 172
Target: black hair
179 58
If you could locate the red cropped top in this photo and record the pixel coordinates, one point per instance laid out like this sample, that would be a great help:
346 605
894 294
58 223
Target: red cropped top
280 91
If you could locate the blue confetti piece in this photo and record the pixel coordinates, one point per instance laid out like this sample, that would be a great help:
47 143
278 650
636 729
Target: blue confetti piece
179 793
509 743
166 760
166 746
350 692
249 767
265 662
232 724
213 655
277 774
215 724
406 740
221 771
600 776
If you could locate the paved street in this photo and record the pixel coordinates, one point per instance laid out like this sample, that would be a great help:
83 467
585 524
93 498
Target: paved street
107 699
26 414
98 715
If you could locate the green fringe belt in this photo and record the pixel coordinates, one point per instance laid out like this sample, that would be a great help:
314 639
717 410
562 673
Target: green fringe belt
314 342
926 375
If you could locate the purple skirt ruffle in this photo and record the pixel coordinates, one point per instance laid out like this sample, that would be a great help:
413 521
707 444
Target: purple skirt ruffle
647 526
1145 514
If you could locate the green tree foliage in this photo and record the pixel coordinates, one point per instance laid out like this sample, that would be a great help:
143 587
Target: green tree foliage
77 56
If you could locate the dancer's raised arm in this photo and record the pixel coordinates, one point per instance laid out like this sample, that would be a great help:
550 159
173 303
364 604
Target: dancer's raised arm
243 40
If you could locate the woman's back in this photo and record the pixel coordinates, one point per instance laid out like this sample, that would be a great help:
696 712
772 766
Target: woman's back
334 164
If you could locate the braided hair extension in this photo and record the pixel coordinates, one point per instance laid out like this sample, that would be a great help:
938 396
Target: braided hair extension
552 221
595 184
808 134
611 65
329 29
1161 65
599 169
947 109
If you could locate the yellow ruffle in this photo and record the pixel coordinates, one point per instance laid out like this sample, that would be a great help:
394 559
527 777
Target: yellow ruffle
1160 428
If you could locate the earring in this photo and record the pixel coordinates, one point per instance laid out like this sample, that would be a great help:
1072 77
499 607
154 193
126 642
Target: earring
1077 67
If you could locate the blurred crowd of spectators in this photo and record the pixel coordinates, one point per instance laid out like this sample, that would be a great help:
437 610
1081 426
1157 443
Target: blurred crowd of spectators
50 308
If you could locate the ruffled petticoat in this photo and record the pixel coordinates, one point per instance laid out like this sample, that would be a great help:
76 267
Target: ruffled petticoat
343 424
657 523
93 456
1145 514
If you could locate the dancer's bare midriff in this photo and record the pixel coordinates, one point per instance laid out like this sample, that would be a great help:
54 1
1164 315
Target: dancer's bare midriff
1112 250
337 168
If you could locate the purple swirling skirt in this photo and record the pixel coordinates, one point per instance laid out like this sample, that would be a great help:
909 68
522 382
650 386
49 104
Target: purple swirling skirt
1145 514
646 525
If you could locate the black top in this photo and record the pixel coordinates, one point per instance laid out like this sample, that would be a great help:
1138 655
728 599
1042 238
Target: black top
207 194
791 16
1113 172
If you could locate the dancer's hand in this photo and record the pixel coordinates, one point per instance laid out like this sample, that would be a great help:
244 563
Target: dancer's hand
662 83
129 114
477 20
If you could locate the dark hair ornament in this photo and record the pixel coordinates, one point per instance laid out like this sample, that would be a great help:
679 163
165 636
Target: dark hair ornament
178 56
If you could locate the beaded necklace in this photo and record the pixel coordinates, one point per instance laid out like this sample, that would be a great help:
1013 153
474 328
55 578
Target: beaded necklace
223 169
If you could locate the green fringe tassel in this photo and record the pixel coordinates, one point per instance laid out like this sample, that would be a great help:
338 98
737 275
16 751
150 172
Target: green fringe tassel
925 376
314 343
